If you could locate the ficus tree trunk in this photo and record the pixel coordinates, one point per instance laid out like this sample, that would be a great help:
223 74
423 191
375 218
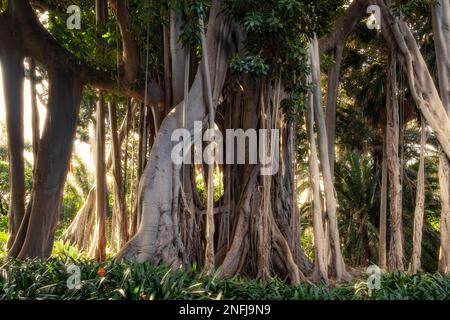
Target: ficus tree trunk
35 122
420 203
320 247
156 240
441 32
79 232
382 247
13 74
36 233
332 95
98 249
119 227
337 266
173 221
392 147
209 225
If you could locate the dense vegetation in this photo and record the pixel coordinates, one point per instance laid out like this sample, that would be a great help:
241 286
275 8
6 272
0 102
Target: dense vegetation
363 177
48 280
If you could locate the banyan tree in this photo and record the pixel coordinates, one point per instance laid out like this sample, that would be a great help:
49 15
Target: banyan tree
145 69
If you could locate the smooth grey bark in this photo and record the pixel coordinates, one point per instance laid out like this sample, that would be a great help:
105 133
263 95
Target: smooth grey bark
396 254
332 95
36 233
382 247
420 203
156 239
35 122
177 55
119 234
98 249
441 34
338 264
320 248
13 73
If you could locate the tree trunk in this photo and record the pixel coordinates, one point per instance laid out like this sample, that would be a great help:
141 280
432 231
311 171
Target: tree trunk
420 203
120 219
209 226
13 72
332 95
36 234
401 41
35 122
98 250
441 33
383 208
392 148
320 248
177 55
78 233
156 240
330 199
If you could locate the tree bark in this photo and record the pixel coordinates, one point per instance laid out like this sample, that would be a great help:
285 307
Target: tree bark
36 234
320 248
98 250
330 199
35 121
382 260
420 203
332 95
120 219
155 239
177 55
209 227
13 72
392 147
78 233
441 33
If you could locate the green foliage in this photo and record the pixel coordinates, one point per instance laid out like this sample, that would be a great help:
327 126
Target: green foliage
357 186
34 279
3 234
65 251
277 35
252 65
400 286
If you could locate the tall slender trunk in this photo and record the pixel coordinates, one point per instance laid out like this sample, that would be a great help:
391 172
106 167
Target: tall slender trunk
98 250
78 232
36 234
34 113
120 219
392 141
332 95
441 33
133 179
320 248
382 260
420 203
330 199
101 10
13 72
177 55
209 229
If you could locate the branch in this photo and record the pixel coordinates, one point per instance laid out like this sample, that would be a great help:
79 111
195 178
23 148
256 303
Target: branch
131 61
20 29
344 26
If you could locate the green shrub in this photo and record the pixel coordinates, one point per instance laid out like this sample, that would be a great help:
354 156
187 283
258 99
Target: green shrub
36 279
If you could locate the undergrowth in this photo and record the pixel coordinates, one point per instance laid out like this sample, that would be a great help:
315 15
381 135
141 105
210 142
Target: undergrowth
37 279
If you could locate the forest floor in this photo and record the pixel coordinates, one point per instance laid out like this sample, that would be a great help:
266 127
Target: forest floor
52 279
